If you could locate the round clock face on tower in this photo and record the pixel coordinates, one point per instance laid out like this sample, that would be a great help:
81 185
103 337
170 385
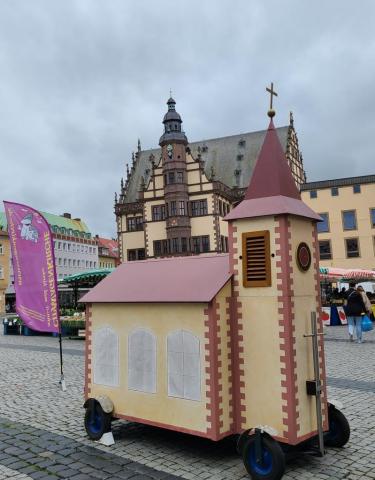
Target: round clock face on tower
303 256
169 150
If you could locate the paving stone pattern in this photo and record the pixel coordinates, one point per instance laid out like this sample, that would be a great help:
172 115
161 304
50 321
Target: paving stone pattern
42 434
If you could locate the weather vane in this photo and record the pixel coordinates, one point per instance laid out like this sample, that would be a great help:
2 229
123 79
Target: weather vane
271 112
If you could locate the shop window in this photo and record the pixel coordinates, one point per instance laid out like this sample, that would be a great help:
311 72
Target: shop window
142 361
356 188
349 220
198 208
256 264
106 357
323 226
184 369
325 250
334 191
352 247
372 215
313 194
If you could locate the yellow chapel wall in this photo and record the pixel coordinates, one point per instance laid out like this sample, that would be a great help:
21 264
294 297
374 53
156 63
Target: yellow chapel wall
261 341
160 319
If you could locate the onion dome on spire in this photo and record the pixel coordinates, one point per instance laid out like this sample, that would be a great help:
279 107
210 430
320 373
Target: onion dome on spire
172 125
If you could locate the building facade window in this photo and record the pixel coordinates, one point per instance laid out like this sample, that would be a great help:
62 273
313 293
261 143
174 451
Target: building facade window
174 245
142 361
1 249
172 208
171 178
134 224
372 217
184 365
136 254
352 247
349 220
158 212
181 208
313 194
179 177
356 188
325 250
205 243
201 244
184 245
198 208
1 272
323 226
196 244
334 191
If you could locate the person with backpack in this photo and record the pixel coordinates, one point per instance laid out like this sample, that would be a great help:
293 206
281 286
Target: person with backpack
354 310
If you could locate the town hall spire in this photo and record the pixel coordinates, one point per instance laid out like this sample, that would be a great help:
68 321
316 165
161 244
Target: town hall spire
172 125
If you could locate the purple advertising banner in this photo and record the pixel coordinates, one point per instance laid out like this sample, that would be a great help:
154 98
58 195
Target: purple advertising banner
34 269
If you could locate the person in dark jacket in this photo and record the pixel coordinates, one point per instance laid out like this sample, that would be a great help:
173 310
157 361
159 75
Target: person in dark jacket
354 309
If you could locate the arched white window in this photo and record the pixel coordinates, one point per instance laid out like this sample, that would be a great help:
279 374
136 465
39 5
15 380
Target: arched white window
142 361
184 366
106 357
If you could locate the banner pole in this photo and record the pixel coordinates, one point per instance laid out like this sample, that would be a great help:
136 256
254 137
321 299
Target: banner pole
62 379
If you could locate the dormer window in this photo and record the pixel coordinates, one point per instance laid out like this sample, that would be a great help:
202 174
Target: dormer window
239 157
242 143
204 148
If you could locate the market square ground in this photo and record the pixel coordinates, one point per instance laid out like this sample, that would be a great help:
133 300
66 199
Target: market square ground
42 434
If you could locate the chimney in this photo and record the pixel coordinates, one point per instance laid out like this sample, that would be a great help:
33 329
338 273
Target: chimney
66 215
77 219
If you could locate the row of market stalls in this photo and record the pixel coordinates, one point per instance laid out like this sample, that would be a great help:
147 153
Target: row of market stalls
334 282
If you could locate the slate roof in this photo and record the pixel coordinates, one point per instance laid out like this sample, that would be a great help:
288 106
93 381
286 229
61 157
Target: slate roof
224 154
339 182
196 278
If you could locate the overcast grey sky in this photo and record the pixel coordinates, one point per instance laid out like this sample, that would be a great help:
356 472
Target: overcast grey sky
81 80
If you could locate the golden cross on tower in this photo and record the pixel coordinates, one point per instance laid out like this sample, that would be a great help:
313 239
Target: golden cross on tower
271 111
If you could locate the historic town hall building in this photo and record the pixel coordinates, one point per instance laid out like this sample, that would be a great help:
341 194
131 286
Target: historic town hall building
175 198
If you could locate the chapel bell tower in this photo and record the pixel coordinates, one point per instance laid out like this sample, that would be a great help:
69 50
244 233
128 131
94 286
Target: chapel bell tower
274 260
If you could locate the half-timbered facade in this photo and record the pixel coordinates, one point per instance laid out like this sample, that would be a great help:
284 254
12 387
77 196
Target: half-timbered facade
174 198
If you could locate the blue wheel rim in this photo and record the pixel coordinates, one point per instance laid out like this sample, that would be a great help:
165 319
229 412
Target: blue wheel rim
263 468
95 421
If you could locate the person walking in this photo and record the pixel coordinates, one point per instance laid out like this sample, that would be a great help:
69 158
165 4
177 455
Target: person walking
366 300
354 309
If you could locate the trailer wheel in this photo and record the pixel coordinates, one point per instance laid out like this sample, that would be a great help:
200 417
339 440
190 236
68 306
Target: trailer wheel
272 465
339 430
97 422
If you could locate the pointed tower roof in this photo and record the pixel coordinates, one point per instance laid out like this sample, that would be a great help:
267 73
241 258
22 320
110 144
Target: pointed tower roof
272 190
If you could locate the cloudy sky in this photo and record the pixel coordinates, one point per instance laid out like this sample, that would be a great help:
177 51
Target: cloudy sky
81 80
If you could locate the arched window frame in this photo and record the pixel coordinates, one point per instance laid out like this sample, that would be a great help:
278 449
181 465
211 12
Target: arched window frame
142 380
184 365
106 372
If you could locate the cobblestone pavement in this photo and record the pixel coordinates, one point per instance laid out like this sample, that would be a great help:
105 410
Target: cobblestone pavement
42 434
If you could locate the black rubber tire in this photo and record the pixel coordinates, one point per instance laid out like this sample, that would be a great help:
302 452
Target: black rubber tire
274 458
97 422
339 430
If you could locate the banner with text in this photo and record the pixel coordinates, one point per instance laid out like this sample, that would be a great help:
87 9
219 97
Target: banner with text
34 268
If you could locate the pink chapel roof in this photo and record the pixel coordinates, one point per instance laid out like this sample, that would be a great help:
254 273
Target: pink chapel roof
272 189
179 279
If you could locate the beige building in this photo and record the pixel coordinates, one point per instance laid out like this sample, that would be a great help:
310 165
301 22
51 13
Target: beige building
175 198
347 233
4 261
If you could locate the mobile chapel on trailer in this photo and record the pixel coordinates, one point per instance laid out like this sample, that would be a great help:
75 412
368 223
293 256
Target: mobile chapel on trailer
219 345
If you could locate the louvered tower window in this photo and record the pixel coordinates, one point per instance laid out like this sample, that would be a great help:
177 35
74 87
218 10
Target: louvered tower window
256 264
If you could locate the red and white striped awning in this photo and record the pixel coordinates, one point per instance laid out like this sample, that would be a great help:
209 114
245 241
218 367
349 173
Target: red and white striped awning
357 274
